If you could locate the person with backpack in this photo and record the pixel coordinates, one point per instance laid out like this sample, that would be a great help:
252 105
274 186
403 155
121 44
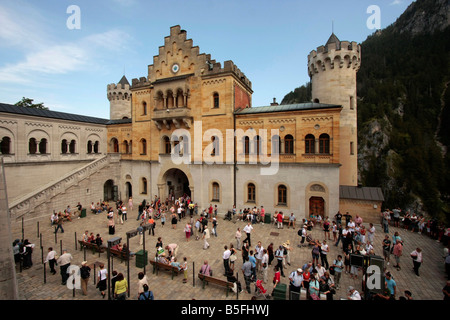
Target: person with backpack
85 274
146 295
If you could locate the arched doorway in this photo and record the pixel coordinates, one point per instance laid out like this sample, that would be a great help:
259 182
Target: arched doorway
110 192
176 182
128 189
316 206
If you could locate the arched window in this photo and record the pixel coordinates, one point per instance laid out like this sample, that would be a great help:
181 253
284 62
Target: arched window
215 192
43 146
309 144
64 148
289 144
276 144
144 108
115 145
96 146
246 142
72 146
324 143
185 142
126 146
144 186
32 146
89 146
257 141
5 145
282 195
215 142
251 192
167 146
143 147
216 100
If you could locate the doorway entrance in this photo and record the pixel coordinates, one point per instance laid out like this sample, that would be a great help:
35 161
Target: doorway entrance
176 183
316 206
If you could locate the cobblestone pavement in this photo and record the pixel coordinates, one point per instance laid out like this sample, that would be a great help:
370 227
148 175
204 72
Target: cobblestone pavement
32 287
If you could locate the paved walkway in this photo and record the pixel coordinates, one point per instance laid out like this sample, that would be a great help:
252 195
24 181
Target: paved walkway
32 287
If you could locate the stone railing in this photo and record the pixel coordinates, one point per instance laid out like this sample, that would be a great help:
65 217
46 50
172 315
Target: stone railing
27 203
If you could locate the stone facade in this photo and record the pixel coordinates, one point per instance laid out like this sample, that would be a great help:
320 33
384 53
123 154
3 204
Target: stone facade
189 127
188 95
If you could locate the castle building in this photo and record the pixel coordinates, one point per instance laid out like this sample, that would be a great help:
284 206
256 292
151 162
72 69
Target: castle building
188 127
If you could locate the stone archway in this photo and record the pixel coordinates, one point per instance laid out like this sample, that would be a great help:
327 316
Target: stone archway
175 180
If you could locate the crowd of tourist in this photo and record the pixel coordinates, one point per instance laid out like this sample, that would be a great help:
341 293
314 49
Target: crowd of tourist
318 277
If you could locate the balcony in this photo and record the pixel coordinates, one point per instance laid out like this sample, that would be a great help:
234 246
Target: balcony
175 116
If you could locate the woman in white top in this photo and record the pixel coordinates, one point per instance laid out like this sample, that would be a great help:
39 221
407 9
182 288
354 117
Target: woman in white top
416 255
101 280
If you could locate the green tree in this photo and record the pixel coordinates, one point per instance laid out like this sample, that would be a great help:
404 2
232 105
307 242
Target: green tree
28 103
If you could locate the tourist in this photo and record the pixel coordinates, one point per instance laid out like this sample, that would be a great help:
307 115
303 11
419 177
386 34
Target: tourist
337 267
279 255
146 295
27 252
238 236
416 255
324 249
248 229
59 223
206 236
64 263
121 288
386 244
397 251
265 265
206 269
259 255
226 260
291 221
187 231
247 272
353 294
184 267
85 274
295 283
51 259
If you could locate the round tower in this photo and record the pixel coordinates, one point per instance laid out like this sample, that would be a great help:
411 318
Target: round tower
332 69
119 96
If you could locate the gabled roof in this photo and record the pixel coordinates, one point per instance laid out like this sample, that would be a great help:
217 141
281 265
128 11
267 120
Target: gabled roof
286 108
9 108
361 193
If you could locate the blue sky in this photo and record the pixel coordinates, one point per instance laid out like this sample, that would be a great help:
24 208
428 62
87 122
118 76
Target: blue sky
68 69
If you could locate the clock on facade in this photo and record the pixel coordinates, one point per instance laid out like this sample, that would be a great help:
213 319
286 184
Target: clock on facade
175 68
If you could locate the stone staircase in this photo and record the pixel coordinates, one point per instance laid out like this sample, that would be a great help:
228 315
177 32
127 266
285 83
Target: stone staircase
40 201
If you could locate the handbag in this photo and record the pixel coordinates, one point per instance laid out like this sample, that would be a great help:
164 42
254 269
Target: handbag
233 258
332 272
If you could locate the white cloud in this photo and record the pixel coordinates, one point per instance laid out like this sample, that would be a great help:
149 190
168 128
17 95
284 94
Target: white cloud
396 2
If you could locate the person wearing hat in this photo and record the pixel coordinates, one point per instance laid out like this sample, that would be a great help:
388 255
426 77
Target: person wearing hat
85 273
353 294
295 284
287 249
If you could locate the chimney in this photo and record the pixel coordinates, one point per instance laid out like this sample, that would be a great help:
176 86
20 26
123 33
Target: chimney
274 103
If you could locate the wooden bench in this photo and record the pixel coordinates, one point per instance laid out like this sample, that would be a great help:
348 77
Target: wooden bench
122 255
90 245
220 282
158 265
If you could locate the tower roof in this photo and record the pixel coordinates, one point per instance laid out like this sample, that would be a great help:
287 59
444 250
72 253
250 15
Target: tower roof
333 39
124 81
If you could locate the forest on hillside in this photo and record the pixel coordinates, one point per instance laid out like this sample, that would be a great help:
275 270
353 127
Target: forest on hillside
403 118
